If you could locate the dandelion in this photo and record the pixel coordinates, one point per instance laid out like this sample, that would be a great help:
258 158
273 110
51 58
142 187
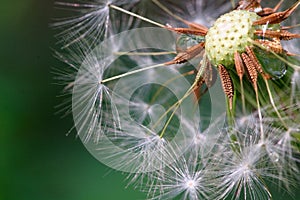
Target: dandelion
136 107
231 46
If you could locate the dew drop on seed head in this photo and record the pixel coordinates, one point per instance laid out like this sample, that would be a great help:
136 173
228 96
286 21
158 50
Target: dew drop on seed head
271 64
185 41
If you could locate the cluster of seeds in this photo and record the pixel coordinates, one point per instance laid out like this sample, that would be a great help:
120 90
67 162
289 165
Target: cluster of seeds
230 33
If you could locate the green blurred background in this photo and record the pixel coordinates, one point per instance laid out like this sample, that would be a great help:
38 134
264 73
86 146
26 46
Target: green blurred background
37 160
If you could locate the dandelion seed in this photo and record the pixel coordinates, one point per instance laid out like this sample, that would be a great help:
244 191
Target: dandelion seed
140 150
184 179
92 107
92 23
65 76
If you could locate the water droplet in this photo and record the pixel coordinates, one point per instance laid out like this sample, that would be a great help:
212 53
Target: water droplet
271 64
185 41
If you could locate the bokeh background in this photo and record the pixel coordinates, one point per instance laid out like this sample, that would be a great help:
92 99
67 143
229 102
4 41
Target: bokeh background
38 160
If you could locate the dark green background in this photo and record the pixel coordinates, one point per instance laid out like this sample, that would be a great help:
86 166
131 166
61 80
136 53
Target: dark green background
37 160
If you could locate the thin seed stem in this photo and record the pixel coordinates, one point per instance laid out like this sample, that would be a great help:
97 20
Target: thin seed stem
170 118
178 103
243 96
175 106
144 53
166 84
137 16
231 111
259 115
273 104
131 72
295 67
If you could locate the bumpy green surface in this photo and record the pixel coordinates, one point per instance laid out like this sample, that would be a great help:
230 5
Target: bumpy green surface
230 33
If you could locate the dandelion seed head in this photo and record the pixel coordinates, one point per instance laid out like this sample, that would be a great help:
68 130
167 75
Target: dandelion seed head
231 32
